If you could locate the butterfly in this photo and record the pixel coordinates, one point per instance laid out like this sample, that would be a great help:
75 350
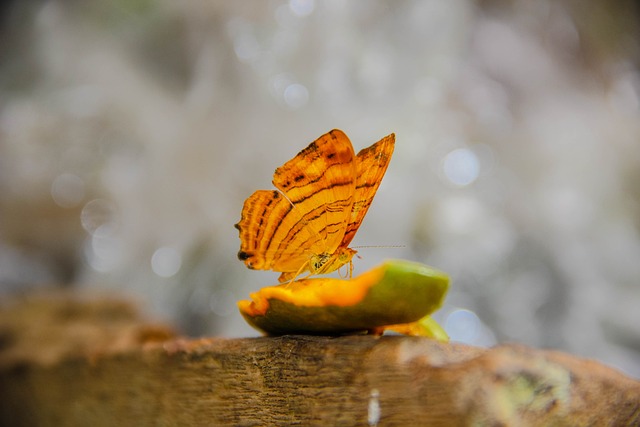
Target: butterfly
321 198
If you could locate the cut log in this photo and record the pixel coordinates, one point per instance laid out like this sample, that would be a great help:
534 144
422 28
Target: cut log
126 371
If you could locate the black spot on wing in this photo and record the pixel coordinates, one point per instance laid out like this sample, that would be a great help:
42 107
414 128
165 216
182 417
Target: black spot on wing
366 185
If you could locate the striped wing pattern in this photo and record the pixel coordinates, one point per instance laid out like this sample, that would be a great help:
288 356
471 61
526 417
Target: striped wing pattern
322 196
262 216
372 163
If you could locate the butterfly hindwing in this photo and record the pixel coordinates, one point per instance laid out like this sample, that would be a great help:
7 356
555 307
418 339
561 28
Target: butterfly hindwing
261 215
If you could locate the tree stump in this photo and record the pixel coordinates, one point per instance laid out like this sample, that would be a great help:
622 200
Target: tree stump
68 361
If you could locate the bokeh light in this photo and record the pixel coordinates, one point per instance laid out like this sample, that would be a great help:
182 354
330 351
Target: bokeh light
302 7
166 261
462 326
99 215
296 95
67 190
103 250
461 166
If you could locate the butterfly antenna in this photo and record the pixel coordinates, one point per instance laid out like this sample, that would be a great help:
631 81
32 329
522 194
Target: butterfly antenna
283 194
378 246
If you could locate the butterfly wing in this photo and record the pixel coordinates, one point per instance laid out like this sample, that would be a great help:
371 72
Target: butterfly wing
371 164
262 214
281 230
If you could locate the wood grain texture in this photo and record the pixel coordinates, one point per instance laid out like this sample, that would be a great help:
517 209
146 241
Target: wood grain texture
303 380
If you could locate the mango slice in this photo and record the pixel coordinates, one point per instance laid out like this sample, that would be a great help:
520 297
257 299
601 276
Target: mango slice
398 295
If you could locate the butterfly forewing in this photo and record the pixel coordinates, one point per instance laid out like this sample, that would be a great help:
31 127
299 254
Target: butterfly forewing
320 184
281 230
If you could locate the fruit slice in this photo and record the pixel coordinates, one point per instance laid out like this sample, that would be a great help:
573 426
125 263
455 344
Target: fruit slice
397 295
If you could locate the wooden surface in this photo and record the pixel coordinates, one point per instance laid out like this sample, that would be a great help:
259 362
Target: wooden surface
83 364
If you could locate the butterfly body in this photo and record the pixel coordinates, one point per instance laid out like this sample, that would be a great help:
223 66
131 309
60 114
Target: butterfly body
322 196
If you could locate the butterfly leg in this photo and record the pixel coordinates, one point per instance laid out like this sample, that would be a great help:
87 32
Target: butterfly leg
288 277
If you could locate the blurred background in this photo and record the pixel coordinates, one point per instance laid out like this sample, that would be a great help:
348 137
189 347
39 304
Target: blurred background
131 132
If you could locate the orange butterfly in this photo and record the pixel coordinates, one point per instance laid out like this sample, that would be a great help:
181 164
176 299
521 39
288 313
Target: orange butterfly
322 196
